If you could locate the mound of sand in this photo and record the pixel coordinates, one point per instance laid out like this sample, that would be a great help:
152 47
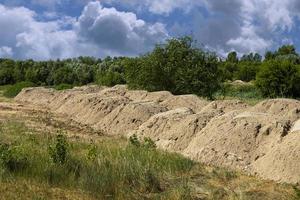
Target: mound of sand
36 96
262 139
126 118
173 130
189 101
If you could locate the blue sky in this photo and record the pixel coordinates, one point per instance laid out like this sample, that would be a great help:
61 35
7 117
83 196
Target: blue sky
50 29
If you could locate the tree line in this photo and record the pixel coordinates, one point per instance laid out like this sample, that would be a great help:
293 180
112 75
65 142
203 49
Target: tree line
177 65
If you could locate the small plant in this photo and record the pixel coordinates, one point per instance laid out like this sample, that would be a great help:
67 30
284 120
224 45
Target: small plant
133 140
148 143
63 86
92 152
59 149
297 191
12 158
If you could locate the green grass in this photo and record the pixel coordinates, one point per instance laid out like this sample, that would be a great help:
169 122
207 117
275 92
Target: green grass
11 91
63 86
106 170
247 93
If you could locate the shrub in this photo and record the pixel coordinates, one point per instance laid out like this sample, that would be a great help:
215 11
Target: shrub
279 79
15 89
133 140
148 143
59 149
12 158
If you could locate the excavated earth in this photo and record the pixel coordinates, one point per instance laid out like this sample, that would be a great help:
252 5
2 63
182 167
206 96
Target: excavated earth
261 140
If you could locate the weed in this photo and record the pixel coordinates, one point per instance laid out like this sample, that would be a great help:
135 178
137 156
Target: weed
59 149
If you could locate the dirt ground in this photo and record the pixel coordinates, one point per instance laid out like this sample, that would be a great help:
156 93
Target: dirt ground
262 140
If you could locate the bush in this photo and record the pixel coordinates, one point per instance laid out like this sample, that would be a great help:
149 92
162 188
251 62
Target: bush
279 79
15 89
12 158
59 149
148 143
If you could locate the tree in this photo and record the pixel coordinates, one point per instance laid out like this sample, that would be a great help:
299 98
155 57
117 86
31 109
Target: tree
247 71
287 50
269 55
279 79
252 57
232 57
176 66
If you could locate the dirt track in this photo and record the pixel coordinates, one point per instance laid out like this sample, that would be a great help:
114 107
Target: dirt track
263 139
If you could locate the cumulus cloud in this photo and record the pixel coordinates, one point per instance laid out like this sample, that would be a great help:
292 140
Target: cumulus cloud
245 25
240 25
164 7
118 31
6 52
98 32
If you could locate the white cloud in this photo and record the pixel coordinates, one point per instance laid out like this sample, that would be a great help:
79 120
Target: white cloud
6 52
118 31
161 7
97 32
241 25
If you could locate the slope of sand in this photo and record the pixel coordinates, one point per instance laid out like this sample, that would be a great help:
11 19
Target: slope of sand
262 140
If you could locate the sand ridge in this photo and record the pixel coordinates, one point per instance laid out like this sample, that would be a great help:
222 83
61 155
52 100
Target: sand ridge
262 140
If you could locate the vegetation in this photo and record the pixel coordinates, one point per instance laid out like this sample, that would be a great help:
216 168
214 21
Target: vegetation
279 79
178 66
246 92
106 169
14 90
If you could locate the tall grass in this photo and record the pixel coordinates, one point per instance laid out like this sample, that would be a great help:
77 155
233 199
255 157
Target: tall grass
106 170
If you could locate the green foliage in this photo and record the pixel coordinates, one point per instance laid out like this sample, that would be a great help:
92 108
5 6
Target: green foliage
14 90
287 50
63 86
111 72
279 79
58 150
176 66
133 140
252 57
12 158
243 92
247 71
110 170
92 152
232 57
297 190
148 143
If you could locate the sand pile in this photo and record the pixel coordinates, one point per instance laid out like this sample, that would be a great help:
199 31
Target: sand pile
36 96
263 139
126 118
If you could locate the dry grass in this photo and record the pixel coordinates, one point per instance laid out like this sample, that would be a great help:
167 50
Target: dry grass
31 190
